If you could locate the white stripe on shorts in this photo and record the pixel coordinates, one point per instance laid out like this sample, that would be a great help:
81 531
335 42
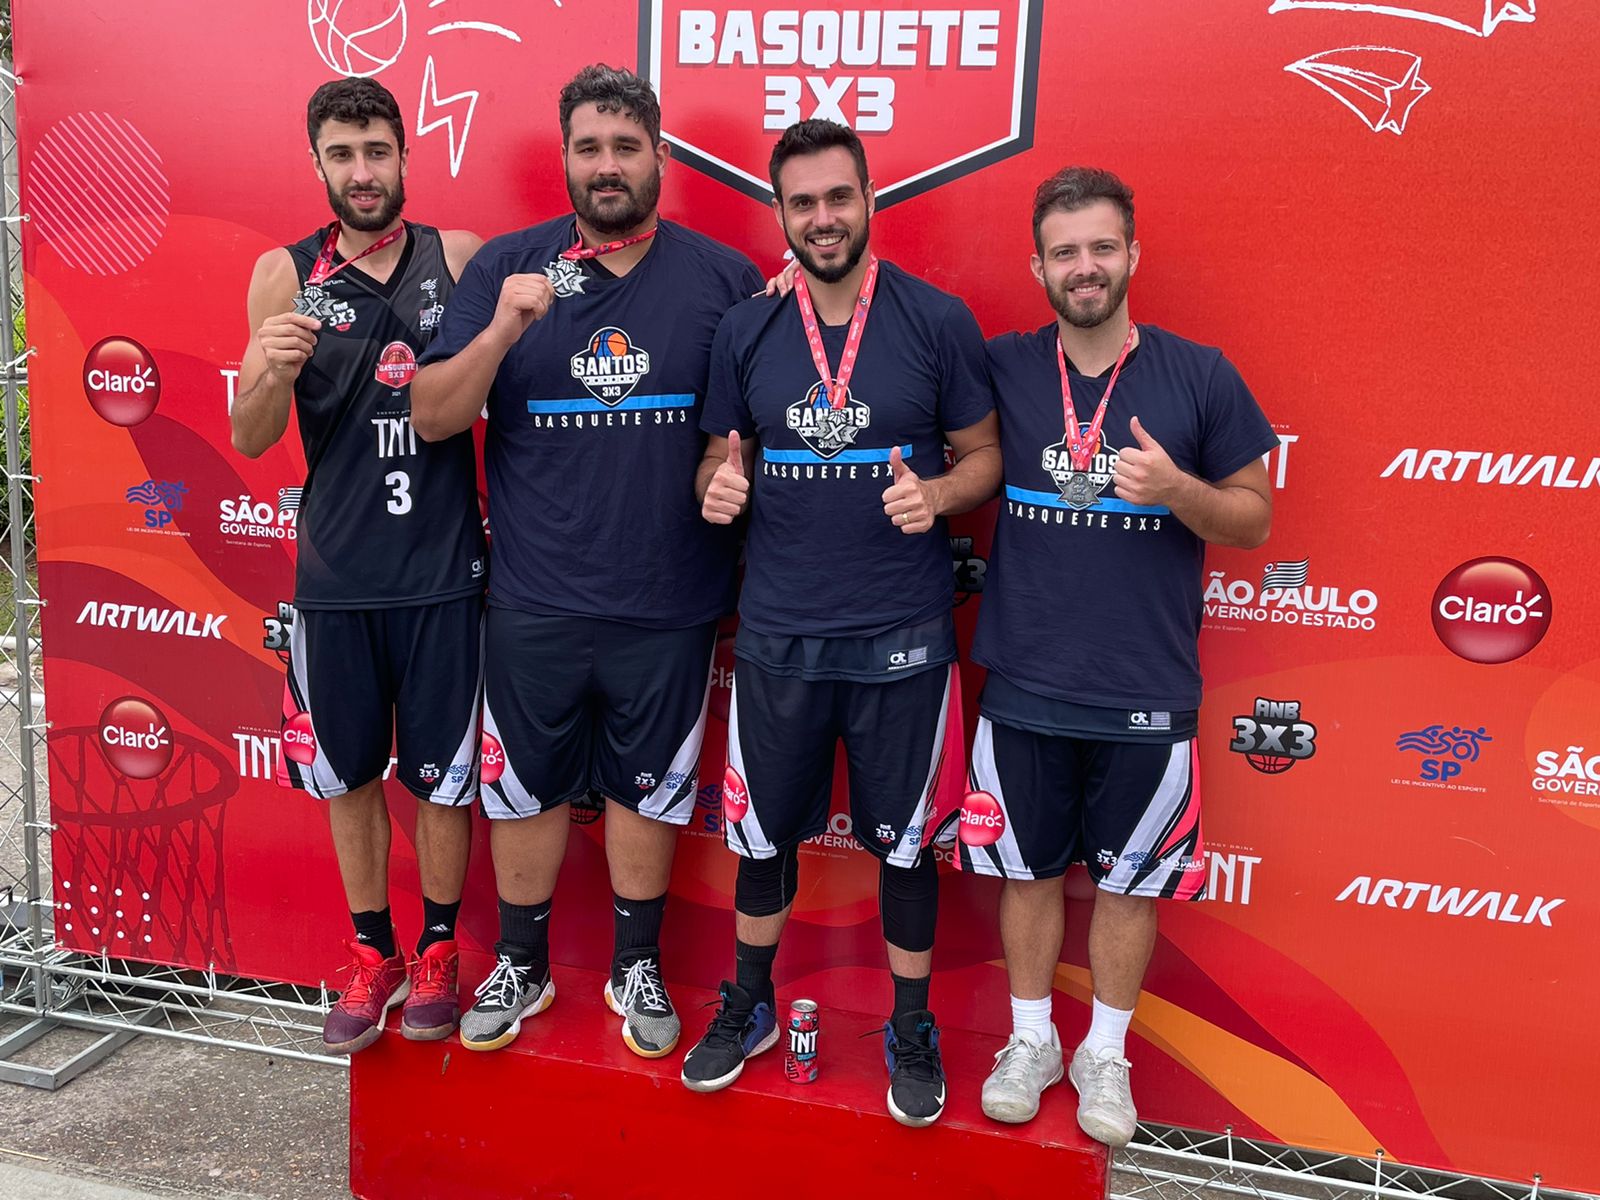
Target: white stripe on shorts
675 804
751 840
986 778
1171 795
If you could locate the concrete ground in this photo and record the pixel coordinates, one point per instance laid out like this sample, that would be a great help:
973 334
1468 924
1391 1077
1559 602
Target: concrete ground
160 1117
170 1118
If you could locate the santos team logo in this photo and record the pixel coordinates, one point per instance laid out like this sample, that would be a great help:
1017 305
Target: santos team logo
828 423
610 366
1079 489
937 92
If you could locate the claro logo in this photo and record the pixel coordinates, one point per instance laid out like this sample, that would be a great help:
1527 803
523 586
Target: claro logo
982 820
135 738
1491 610
121 381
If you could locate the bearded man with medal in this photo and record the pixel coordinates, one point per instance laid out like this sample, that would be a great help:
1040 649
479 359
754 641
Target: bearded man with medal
1127 450
829 411
588 338
389 572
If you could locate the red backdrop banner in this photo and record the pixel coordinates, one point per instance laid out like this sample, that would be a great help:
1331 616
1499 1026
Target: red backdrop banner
1384 214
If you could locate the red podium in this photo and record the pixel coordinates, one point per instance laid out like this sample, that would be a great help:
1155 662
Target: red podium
568 1111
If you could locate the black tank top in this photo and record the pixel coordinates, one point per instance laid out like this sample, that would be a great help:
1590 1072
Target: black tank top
385 518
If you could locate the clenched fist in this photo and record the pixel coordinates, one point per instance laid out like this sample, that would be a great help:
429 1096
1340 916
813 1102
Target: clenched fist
523 300
287 340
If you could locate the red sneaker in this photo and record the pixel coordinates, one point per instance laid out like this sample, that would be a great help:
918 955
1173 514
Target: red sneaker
434 1005
377 984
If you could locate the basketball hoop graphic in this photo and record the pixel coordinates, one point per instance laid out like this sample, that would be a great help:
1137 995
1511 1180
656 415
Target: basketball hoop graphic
138 862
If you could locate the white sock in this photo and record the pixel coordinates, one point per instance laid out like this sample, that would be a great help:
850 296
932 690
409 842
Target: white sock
1108 1030
1030 1019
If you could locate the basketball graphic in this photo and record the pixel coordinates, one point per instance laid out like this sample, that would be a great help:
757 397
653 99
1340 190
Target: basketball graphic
397 365
609 343
1269 764
357 38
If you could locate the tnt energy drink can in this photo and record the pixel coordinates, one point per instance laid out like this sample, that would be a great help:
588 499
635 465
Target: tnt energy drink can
800 1060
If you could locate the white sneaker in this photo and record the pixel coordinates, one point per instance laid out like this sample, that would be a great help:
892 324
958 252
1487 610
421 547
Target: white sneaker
1021 1073
1105 1103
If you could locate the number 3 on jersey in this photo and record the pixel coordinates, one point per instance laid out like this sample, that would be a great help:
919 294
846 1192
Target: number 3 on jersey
399 484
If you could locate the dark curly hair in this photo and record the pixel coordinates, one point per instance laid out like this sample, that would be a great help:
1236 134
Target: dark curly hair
612 89
354 102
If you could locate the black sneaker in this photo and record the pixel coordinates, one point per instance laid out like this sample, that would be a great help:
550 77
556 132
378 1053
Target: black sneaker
742 1027
916 1074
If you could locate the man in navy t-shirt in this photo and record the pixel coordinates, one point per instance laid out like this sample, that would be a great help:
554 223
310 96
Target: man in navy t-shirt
1127 449
589 338
828 411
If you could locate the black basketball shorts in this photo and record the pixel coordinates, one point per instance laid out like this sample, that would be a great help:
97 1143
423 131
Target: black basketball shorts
1129 810
783 732
575 705
361 681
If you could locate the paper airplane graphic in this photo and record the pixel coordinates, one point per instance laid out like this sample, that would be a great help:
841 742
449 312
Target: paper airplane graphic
1470 16
1379 84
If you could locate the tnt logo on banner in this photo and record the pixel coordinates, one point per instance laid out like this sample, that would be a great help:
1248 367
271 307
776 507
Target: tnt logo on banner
935 93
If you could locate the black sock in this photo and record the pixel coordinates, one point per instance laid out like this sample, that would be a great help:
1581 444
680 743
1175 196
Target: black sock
910 995
438 923
636 924
375 929
754 967
525 930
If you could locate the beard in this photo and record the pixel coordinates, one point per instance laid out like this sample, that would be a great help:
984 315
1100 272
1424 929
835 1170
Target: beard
380 218
855 248
612 215
1086 315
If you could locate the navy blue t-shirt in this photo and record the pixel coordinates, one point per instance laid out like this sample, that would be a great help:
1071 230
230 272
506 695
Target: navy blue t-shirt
822 558
1101 605
594 433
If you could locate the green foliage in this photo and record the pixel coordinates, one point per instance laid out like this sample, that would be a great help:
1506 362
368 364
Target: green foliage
19 343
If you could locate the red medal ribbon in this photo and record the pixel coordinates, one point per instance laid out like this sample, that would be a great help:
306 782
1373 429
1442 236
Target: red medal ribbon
578 250
323 269
836 388
1081 446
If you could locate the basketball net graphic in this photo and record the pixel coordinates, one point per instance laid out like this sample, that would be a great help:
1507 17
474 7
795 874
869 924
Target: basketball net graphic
138 862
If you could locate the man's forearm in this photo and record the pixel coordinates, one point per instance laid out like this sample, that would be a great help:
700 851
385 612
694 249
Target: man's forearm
973 480
446 397
703 475
261 414
1231 516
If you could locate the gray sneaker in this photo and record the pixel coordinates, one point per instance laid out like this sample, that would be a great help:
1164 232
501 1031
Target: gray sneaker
1105 1103
650 1025
504 998
1021 1073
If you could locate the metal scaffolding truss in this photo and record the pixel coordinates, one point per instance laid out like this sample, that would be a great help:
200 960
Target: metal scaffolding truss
1165 1163
44 989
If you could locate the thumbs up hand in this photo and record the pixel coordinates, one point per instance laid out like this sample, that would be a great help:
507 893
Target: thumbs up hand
1144 474
908 501
728 494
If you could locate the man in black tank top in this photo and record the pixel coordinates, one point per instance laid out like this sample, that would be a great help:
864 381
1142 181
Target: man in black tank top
387 642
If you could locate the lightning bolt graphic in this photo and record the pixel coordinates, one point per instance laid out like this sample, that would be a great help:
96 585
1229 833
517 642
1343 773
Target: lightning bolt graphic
444 110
